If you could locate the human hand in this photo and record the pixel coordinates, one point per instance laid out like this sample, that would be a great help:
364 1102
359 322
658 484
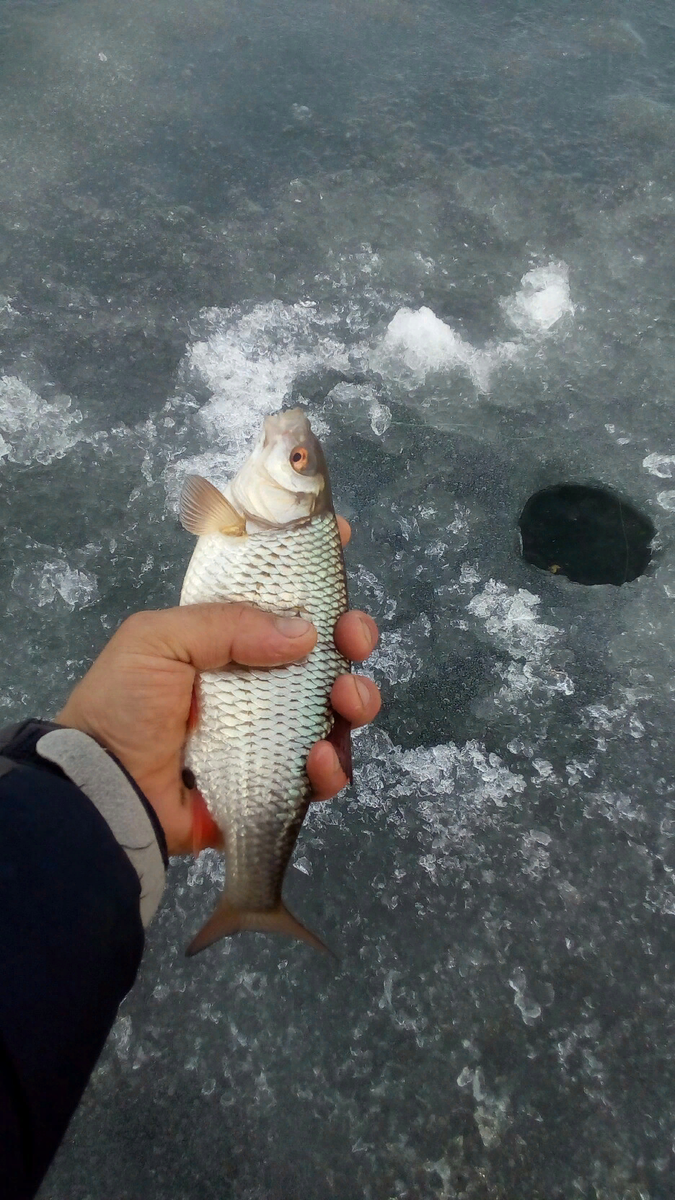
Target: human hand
136 698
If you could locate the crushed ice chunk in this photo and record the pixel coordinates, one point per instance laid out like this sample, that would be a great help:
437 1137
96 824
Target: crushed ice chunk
380 417
667 500
510 618
419 342
468 573
381 606
544 298
540 835
445 1173
661 465
121 1036
543 768
576 769
32 428
434 771
491 1111
613 806
249 361
208 867
537 858
40 585
529 1010
603 717
401 653
518 746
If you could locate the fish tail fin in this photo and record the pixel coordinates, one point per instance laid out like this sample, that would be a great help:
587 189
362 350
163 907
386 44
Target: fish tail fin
227 920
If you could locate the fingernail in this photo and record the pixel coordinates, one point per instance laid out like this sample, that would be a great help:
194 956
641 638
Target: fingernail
292 627
368 632
363 690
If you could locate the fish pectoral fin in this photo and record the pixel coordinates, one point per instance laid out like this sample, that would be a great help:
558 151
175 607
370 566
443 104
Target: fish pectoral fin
203 509
227 920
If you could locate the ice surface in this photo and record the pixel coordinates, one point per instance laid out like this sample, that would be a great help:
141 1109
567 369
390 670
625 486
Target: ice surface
451 238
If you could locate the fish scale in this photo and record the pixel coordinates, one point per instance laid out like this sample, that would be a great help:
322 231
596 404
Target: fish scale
256 726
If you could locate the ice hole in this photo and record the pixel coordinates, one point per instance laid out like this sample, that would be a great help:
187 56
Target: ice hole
589 534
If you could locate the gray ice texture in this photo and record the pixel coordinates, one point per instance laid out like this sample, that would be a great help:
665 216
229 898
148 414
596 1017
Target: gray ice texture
448 230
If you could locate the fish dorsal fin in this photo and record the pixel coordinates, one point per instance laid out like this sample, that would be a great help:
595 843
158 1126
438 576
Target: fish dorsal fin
203 509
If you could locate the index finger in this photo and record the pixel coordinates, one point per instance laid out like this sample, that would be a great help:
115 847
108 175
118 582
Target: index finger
345 530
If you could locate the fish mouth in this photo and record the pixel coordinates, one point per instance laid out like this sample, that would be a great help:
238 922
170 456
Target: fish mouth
290 422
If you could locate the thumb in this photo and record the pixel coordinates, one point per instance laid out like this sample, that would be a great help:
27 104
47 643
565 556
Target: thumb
208 636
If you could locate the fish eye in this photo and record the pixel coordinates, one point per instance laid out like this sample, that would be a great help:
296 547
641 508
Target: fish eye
299 458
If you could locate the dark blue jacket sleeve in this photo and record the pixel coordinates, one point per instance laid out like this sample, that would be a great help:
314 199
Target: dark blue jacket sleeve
71 941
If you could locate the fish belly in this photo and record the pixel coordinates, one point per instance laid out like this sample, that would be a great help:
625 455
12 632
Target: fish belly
256 726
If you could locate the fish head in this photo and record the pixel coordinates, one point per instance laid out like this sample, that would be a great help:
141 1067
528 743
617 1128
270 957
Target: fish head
285 478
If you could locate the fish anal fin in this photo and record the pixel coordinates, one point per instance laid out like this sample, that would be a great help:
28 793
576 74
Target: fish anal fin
340 739
203 509
193 715
205 832
228 920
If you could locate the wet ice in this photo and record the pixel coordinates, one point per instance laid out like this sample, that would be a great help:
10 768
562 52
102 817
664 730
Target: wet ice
452 241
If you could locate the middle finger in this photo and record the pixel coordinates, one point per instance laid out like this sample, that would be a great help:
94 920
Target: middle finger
356 698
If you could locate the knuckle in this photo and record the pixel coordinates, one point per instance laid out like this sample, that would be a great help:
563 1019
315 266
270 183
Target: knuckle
138 624
241 614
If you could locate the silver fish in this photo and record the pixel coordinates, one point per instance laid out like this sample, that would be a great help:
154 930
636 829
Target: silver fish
272 540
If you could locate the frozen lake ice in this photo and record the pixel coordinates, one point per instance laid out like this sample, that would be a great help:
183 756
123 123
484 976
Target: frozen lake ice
448 231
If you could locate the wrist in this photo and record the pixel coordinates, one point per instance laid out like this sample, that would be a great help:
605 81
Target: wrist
103 779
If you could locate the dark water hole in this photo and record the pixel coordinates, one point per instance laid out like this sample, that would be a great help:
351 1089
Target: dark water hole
589 534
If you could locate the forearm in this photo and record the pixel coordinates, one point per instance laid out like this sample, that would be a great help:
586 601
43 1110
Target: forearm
71 939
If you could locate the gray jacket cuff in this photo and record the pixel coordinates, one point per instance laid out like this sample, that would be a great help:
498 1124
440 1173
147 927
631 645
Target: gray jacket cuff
96 774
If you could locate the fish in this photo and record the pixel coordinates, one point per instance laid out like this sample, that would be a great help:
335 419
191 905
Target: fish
270 539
